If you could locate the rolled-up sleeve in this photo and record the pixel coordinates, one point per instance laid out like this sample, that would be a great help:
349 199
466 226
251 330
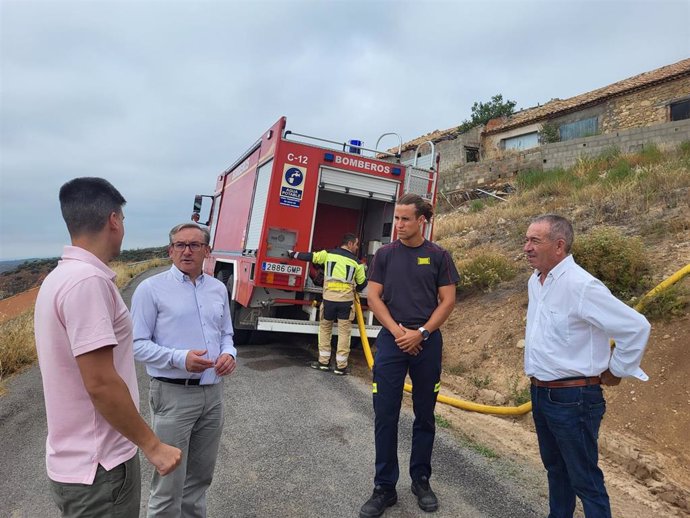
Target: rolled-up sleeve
628 328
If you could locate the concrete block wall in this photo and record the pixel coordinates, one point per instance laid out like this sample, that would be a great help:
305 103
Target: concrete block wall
565 154
562 154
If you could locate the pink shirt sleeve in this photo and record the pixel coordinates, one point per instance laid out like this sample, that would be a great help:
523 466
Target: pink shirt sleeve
88 311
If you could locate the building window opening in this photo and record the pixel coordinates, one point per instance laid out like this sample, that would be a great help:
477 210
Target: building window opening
680 110
471 154
579 129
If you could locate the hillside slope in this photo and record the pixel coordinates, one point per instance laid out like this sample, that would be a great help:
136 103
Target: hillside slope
644 434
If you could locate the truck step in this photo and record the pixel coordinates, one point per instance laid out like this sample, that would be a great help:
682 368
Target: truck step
287 325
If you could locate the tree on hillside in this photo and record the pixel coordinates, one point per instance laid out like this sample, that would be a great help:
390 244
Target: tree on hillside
484 112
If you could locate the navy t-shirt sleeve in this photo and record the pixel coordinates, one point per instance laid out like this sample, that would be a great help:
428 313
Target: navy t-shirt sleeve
447 273
376 271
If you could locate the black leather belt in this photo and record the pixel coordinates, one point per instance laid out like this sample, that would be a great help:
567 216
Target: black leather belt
566 383
179 381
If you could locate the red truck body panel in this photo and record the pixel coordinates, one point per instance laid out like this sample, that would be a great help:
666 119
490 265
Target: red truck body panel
286 194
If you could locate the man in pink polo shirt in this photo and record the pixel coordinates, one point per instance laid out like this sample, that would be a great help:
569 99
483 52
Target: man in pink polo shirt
84 343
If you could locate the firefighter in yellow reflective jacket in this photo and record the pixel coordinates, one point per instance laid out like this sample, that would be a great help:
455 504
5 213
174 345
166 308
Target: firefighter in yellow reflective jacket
342 275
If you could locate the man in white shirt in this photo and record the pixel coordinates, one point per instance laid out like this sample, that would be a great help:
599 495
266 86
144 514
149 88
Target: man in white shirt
183 332
570 319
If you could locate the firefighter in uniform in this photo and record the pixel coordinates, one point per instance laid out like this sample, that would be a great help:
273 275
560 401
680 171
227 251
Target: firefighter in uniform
412 293
342 275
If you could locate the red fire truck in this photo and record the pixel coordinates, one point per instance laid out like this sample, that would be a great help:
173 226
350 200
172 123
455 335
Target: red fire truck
295 192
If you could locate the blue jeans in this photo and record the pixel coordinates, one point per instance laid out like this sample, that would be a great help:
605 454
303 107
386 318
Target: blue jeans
390 368
567 422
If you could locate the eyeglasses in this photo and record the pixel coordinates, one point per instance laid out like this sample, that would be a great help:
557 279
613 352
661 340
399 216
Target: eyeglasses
179 246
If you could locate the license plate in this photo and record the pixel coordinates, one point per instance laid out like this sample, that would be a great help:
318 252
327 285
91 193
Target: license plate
281 268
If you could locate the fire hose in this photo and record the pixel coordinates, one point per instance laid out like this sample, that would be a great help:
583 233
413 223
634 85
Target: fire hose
500 410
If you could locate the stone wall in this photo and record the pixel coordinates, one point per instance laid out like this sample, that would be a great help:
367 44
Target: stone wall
565 154
451 149
643 108
562 155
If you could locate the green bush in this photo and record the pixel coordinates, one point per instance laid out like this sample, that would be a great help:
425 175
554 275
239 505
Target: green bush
670 303
651 153
484 271
619 262
517 394
546 180
476 206
684 148
620 171
549 133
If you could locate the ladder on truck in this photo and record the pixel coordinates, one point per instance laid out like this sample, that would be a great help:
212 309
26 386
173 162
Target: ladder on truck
421 177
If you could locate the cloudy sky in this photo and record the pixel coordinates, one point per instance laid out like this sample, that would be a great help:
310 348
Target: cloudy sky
160 96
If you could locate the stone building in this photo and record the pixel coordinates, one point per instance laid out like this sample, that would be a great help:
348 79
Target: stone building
651 98
649 107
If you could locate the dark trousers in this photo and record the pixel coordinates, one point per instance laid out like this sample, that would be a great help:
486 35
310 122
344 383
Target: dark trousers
567 423
390 368
113 494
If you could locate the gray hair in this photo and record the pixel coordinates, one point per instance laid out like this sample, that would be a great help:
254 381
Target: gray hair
559 228
182 226
87 203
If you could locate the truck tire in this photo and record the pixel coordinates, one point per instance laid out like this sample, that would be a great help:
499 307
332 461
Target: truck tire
241 336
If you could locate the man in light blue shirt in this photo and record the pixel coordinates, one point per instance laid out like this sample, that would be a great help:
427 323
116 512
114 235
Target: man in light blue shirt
571 317
183 333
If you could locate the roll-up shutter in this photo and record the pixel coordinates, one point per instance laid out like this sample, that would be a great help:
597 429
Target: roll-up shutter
259 205
355 184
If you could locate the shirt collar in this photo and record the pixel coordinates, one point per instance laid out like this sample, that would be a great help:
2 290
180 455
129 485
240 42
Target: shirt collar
560 268
183 277
77 253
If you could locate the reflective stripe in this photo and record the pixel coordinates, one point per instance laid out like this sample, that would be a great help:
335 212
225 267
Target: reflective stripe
339 286
324 355
340 358
374 388
437 387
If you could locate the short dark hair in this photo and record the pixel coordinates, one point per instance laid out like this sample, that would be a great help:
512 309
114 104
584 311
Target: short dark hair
182 226
422 207
348 238
559 228
87 203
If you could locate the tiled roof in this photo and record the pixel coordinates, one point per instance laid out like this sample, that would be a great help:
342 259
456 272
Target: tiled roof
434 136
562 106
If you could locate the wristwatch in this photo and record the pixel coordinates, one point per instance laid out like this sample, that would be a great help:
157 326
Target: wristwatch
425 333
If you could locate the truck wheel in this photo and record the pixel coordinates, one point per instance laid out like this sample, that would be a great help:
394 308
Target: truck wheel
242 336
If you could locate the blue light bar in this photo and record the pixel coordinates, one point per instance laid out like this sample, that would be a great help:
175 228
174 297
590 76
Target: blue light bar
328 157
396 171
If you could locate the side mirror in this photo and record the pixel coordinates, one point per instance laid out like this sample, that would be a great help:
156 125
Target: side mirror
196 210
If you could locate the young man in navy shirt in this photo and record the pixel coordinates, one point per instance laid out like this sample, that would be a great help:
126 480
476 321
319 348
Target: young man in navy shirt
412 293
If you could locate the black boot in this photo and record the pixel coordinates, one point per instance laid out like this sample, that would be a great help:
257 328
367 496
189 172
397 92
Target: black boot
426 499
379 501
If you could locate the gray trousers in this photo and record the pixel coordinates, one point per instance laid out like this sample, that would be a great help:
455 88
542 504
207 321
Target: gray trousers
113 494
190 418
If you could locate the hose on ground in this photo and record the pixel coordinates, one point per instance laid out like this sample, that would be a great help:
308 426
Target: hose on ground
500 410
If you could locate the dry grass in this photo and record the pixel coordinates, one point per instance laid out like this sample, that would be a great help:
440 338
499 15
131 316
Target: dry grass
126 272
610 189
17 343
17 348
